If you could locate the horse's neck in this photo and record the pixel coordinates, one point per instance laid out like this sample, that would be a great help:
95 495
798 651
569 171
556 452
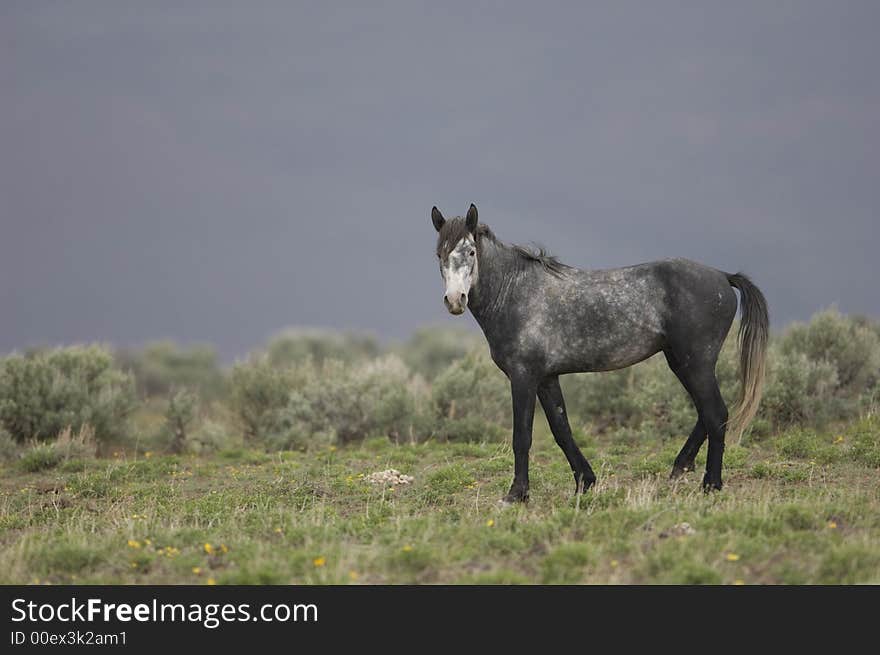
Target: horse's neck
497 277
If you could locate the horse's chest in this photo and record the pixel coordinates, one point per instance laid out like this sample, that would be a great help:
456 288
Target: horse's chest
534 345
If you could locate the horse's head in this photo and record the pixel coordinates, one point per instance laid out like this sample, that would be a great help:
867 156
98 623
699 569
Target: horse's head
457 255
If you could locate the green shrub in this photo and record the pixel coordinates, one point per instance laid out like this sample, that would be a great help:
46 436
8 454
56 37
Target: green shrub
8 447
821 371
258 393
869 400
40 457
798 390
471 400
44 392
210 436
350 402
69 446
431 350
163 366
296 345
848 345
334 400
179 415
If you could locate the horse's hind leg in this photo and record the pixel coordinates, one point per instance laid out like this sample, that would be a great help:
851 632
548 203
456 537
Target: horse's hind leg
550 395
684 462
713 414
698 378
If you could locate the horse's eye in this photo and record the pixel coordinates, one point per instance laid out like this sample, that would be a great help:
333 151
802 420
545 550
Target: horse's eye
472 253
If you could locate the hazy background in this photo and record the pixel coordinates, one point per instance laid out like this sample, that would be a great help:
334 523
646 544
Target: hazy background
216 173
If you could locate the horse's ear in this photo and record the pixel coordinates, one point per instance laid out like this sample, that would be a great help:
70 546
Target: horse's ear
437 219
471 219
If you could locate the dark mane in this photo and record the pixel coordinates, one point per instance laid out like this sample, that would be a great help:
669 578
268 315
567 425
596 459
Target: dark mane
540 256
454 230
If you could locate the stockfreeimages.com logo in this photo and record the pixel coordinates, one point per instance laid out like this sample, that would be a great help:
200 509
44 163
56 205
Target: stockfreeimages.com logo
209 615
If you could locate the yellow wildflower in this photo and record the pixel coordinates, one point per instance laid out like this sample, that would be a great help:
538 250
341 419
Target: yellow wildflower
490 523
353 575
209 548
407 548
319 561
832 525
197 570
132 543
211 581
732 557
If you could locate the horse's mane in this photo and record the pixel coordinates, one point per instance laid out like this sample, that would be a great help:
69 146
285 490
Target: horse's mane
455 229
539 255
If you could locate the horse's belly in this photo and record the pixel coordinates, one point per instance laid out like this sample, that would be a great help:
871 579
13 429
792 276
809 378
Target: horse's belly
608 357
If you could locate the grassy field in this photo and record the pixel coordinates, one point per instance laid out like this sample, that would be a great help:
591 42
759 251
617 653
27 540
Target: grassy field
802 507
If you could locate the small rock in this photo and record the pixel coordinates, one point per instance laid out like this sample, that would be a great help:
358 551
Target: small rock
389 477
678 530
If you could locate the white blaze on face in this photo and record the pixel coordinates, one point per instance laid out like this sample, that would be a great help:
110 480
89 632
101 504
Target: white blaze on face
460 273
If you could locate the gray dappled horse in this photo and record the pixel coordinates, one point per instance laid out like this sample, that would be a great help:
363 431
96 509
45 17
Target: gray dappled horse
543 319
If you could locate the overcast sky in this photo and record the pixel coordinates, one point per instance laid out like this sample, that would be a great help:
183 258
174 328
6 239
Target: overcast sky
216 173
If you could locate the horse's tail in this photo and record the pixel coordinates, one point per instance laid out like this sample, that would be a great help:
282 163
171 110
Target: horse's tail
754 331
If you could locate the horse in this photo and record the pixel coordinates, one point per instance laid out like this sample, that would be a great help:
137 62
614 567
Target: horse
542 319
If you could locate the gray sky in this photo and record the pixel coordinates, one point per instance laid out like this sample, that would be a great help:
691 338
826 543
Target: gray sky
217 173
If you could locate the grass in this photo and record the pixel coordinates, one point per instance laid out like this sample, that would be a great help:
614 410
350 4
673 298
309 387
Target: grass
802 507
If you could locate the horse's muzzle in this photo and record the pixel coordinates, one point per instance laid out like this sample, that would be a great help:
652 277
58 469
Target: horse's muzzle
456 306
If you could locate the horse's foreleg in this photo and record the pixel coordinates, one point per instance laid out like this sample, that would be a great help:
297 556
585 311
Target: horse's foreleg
550 395
523 394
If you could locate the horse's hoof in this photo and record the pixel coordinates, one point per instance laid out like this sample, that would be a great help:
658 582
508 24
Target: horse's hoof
680 470
711 485
513 499
581 485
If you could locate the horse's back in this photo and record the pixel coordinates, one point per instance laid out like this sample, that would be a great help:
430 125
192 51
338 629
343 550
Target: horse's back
628 314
